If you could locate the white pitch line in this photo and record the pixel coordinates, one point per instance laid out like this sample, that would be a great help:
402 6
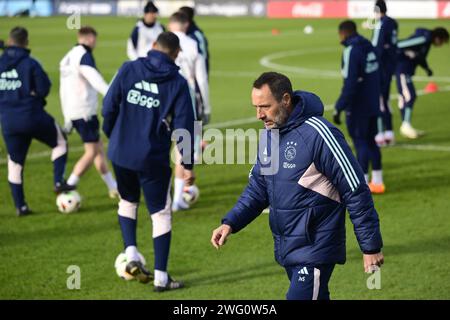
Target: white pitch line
327 107
424 147
267 61
231 123
243 121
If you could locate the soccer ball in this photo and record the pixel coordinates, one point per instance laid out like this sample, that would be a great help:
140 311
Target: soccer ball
121 264
69 201
308 29
191 194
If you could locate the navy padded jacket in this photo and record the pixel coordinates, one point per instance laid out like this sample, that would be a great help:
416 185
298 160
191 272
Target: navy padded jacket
318 178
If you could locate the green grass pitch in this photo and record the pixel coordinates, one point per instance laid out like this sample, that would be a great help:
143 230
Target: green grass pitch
415 212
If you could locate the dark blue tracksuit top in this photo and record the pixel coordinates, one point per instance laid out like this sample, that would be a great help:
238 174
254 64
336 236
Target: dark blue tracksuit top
384 40
146 101
412 52
360 95
24 85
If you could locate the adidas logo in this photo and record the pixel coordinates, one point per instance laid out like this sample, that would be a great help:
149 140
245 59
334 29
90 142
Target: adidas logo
148 87
10 74
303 271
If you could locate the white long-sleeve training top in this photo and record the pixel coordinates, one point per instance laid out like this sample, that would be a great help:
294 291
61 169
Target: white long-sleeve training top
193 67
142 38
79 83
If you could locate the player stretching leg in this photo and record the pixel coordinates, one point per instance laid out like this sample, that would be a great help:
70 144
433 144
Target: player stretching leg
80 82
24 85
412 53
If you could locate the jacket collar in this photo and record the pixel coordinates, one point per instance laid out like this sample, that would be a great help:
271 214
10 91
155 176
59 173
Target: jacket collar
88 49
350 40
294 118
148 25
18 50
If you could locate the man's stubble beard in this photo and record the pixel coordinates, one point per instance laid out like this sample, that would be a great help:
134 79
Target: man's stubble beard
281 117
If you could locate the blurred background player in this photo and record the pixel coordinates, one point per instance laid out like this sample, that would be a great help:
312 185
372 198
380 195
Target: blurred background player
147 100
197 34
79 83
193 68
360 99
384 40
24 85
144 33
411 53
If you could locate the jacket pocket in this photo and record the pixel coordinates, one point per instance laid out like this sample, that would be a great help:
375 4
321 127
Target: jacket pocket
295 229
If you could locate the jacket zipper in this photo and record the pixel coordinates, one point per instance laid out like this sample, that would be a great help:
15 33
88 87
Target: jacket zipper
275 217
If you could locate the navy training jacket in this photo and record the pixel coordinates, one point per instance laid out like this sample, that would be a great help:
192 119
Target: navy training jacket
384 40
146 101
318 178
360 95
413 52
24 85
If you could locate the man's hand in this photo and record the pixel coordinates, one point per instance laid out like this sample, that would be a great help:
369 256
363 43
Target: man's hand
189 177
220 235
371 260
337 117
68 127
429 72
410 54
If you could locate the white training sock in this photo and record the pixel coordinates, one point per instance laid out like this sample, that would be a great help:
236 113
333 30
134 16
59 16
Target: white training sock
73 180
377 176
366 177
161 278
131 253
178 190
109 181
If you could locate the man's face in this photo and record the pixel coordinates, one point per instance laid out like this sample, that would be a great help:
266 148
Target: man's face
177 27
268 109
438 42
341 36
93 41
89 40
150 17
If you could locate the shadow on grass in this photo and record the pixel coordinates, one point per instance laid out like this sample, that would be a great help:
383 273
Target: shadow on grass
409 183
439 245
244 272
